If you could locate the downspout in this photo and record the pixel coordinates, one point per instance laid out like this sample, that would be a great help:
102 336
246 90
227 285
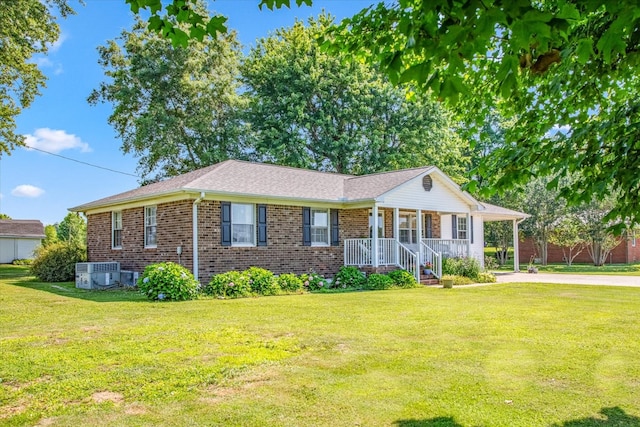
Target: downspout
195 235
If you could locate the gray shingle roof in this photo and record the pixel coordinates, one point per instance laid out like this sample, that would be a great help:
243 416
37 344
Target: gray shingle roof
21 228
259 179
234 177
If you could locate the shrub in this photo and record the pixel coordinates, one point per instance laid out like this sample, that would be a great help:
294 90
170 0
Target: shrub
22 262
290 283
486 277
349 277
261 281
57 262
231 284
313 281
403 279
466 266
379 281
168 281
490 263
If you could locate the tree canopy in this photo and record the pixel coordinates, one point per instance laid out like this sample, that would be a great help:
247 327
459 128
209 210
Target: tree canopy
174 107
323 111
565 71
27 28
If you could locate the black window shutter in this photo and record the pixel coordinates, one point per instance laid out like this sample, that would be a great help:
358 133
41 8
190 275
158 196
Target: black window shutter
454 226
471 227
428 225
306 226
225 219
262 225
335 230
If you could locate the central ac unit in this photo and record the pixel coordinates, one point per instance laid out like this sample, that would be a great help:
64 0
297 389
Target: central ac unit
97 275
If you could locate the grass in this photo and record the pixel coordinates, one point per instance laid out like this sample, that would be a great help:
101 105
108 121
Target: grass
502 355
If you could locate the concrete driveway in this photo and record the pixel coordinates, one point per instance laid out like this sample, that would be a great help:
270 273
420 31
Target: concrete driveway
570 279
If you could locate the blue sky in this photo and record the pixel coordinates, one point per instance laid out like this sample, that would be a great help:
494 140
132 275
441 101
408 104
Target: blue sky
34 185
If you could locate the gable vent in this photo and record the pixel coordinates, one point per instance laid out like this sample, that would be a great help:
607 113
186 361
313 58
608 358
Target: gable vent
427 183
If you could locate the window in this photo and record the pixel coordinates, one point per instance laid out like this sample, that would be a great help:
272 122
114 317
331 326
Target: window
319 227
150 227
428 226
633 239
408 229
462 228
242 224
380 224
116 230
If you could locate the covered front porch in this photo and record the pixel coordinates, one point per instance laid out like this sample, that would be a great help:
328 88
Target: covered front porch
414 238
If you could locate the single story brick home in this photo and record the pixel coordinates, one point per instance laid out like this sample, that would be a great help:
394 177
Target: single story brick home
235 214
19 238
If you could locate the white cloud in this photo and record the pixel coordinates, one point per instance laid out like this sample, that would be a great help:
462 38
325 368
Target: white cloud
55 141
43 62
26 190
58 43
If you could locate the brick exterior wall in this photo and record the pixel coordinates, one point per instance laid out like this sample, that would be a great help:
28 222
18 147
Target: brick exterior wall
173 229
624 253
284 252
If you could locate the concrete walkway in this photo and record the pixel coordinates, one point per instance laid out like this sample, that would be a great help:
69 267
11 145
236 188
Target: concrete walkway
569 279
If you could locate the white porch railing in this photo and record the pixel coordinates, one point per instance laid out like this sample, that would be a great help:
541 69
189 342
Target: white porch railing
408 260
433 257
390 252
358 252
448 248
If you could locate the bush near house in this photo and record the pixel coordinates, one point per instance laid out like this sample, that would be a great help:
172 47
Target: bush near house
232 284
290 283
377 281
403 279
168 281
262 281
312 281
463 266
349 276
57 262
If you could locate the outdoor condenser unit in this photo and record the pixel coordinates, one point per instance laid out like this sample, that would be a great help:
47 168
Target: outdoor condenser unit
97 275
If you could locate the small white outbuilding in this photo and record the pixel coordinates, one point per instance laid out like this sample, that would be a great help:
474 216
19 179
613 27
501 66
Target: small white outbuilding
19 238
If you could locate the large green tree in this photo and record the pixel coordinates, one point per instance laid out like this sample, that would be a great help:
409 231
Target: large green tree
325 111
27 28
176 108
72 229
567 65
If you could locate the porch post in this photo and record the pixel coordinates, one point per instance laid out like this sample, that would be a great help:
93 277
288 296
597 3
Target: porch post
516 247
396 232
419 233
468 234
374 236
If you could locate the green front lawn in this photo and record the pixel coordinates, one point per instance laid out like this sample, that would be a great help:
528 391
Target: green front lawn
500 355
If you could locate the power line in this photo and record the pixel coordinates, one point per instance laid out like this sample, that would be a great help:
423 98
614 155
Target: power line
80 161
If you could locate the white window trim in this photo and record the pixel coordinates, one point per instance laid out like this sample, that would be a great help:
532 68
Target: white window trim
155 245
328 227
381 225
633 239
462 219
410 229
113 229
255 227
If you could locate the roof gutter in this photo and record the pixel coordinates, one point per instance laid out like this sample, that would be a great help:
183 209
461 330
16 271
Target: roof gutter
196 202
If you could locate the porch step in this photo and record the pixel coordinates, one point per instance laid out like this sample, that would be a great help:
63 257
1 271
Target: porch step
429 279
